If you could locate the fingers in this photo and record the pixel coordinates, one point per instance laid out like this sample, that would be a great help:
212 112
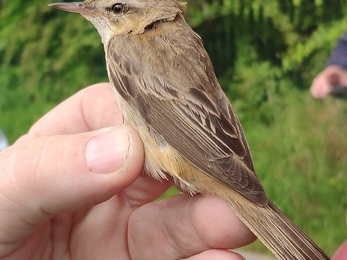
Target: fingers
217 254
341 253
320 87
176 228
332 76
229 231
145 190
48 175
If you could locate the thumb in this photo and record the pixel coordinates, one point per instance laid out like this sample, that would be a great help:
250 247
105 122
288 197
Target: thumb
48 175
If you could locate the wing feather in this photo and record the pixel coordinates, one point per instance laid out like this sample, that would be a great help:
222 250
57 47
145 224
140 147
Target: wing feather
180 98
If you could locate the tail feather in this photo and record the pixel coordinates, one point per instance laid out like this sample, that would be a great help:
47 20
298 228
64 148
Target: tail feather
277 231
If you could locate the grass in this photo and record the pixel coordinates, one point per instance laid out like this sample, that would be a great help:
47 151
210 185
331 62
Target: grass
301 159
300 156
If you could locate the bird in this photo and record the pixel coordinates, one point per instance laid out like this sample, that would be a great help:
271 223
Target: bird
167 90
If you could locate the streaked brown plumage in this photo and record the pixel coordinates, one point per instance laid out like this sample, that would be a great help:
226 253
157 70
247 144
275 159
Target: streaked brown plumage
167 89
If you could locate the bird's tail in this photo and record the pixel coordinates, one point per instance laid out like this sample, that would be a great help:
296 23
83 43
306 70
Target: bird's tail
277 232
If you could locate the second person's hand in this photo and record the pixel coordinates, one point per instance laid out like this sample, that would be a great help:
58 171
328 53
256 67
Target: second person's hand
329 78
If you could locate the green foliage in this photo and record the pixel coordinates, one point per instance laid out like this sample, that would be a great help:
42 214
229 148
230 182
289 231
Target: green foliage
38 62
301 160
265 53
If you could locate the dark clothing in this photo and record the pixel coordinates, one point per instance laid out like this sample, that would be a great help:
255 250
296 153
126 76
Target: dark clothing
339 54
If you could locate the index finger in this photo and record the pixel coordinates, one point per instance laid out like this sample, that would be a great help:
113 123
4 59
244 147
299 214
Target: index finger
90 109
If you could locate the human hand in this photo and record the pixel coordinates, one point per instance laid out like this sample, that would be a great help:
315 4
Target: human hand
325 81
341 253
70 189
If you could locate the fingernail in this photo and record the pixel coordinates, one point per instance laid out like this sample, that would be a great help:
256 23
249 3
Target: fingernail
108 151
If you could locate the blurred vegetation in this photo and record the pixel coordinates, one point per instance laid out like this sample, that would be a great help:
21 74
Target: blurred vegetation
265 53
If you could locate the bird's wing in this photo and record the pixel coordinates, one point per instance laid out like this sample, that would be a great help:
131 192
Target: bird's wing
181 100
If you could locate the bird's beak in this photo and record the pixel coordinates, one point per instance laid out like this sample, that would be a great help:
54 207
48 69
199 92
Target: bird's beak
74 7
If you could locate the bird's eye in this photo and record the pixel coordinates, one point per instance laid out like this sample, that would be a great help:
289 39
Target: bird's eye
118 8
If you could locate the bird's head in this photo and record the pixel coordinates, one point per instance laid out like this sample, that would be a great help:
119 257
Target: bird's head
117 17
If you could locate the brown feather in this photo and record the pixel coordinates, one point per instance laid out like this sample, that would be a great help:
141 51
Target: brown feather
182 106
167 80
